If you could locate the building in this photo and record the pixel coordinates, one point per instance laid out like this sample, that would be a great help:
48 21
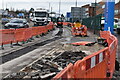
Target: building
117 10
90 10
77 13
100 9
87 11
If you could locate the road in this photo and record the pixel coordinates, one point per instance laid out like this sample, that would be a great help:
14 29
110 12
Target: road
18 62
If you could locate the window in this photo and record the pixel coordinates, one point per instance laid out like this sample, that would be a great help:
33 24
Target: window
116 11
86 9
103 6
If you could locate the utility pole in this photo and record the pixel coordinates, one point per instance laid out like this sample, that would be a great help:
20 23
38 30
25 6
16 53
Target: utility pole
118 9
51 9
49 6
95 15
59 7
76 3
6 5
3 4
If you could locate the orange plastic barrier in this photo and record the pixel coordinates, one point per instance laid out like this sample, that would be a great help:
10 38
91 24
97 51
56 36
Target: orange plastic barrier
27 34
90 66
81 43
6 36
99 65
19 35
67 23
35 31
66 74
113 43
43 29
50 26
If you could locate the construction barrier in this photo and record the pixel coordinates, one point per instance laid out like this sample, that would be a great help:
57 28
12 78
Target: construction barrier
9 36
6 36
66 74
19 35
93 66
27 34
50 26
99 65
113 44
67 24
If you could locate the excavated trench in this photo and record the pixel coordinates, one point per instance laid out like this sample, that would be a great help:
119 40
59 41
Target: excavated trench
47 67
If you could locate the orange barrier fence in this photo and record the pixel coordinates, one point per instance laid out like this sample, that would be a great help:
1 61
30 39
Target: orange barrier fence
99 65
113 43
90 66
27 34
50 26
67 24
66 74
8 36
18 35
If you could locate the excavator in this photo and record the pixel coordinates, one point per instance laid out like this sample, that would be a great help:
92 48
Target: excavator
79 30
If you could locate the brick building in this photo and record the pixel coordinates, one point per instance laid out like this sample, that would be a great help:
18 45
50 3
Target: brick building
117 10
100 9
100 6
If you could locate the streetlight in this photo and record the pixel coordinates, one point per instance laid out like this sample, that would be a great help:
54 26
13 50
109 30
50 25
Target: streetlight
59 7
3 4
95 15
76 3
49 6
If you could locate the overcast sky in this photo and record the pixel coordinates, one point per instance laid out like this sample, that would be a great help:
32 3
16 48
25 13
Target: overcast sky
27 4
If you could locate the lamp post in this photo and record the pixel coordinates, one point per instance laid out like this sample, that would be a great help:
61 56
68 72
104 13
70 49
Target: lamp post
76 3
95 14
49 6
59 7
119 9
3 4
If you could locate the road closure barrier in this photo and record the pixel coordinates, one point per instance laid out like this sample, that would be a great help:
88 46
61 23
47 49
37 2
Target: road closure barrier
50 26
67 24
99 65
66 74
8 36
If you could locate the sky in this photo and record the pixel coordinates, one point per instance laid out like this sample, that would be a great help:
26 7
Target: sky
47 4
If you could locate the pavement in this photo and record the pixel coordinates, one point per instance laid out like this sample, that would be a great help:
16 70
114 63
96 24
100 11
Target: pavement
20 62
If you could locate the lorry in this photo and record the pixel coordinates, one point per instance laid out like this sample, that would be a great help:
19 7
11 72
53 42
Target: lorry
40 16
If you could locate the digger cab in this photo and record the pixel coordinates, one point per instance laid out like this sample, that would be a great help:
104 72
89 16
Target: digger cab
79 29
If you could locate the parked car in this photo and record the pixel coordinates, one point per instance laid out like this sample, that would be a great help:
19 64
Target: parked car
4 20
17 23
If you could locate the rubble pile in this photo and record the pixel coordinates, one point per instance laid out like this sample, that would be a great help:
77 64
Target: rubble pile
48 66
